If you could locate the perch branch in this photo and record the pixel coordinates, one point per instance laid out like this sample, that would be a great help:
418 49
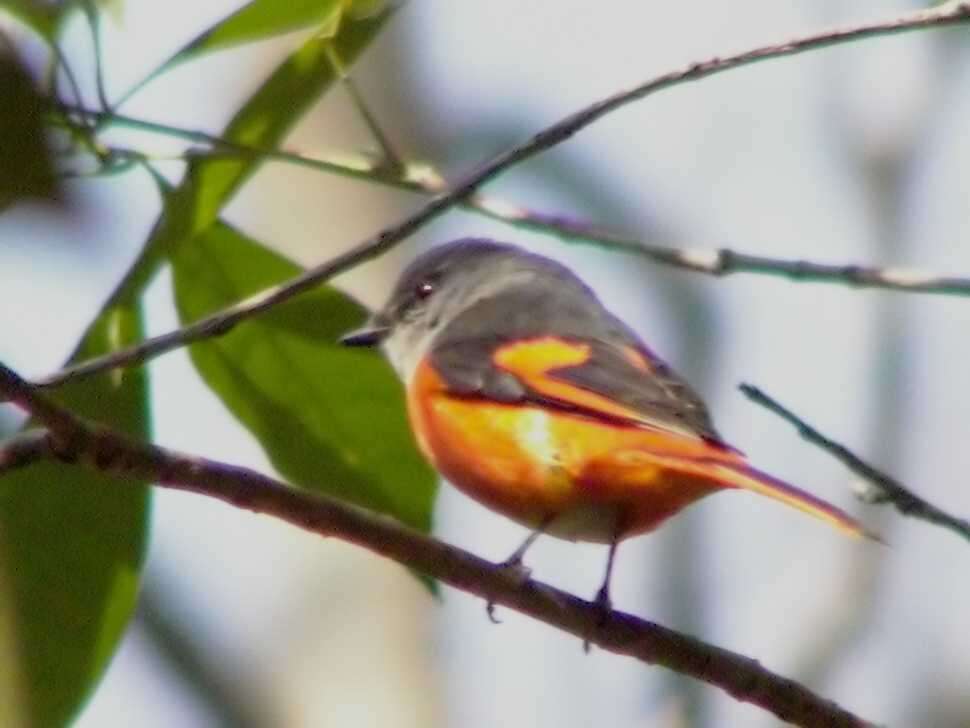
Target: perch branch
74 440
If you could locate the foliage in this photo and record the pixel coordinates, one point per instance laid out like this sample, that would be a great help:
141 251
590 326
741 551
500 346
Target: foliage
72 543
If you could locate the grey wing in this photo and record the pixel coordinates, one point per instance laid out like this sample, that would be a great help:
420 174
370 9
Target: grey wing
464 354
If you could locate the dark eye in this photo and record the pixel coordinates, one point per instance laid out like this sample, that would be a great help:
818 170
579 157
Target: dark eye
424 289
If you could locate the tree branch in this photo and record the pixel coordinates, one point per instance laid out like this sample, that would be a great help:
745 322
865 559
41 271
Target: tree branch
950 13
74 440
883 488
423 178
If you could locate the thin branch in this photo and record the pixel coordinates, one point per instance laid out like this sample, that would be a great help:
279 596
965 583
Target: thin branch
60 62
116 454
424 178
220 322
94 26
391 162
884 489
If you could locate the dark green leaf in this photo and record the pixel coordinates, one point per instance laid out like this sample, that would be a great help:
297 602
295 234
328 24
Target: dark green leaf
328 417
26 169
72 544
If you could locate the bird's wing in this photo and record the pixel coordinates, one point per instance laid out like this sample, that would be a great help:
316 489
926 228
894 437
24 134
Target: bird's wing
617 383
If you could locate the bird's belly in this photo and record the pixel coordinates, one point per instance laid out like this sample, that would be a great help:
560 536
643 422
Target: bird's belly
533 465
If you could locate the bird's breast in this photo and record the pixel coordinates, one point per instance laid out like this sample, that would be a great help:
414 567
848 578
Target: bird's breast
530 463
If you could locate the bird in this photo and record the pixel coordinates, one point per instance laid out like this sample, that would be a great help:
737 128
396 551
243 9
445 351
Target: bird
527 394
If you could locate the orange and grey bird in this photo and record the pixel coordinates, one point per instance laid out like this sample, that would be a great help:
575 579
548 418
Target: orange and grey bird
527 394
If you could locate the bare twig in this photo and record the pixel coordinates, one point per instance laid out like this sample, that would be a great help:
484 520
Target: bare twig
423 178
391 160
75 440
884 489
93 18
218 323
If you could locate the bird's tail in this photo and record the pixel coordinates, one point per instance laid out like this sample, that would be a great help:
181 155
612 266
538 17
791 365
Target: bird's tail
736 473
744 476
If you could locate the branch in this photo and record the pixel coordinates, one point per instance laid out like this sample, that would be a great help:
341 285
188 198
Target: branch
950 13
391 161
883 488
423 178
74 440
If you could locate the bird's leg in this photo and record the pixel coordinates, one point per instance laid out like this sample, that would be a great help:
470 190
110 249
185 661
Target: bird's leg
602 600
514 562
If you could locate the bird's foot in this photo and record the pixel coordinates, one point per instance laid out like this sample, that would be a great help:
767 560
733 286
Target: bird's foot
516 571
604 608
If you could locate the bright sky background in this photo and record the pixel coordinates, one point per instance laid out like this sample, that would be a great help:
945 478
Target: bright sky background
760 160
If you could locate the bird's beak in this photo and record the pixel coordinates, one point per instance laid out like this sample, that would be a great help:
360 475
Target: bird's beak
368 335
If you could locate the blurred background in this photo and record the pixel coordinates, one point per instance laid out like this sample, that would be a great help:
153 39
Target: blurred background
854 154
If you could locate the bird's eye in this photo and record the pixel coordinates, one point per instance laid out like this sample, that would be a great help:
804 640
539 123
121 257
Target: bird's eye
424 290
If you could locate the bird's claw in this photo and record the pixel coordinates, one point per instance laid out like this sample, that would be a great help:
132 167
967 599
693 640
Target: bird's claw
604 607
490 611
516 570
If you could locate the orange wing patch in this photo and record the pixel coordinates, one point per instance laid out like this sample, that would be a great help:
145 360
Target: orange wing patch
533 359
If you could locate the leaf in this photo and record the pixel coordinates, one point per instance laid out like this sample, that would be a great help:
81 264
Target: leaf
72 543
26 169
44 17
343 22
328 417
38 15
263 121
258 20
114 9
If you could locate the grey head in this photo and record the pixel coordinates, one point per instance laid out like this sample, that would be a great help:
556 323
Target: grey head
448 292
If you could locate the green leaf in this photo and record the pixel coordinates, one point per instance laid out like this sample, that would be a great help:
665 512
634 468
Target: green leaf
258 20
347 23
45 17
38 15
72 543
328 417
262 122
26 169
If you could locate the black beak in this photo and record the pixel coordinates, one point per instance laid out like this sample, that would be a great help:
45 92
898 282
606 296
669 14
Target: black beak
366 336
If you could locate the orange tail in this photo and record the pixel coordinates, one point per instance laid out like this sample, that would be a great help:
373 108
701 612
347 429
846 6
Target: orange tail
748 478
736 473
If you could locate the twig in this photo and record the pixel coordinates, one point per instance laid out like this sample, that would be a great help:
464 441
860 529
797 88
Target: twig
60 62
391 162
75 440
94 26
884 489
424 178
222 321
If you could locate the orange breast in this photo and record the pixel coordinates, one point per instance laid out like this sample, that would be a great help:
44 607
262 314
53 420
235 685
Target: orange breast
529 463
